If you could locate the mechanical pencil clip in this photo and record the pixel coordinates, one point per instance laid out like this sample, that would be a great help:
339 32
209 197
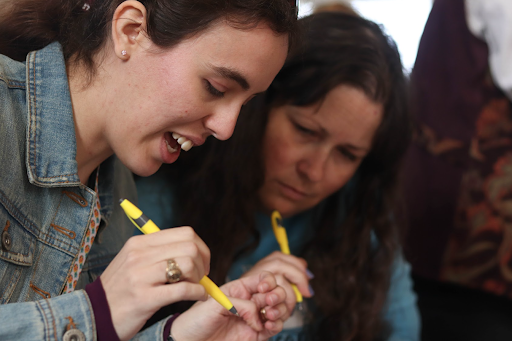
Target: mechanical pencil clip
282 240
147 226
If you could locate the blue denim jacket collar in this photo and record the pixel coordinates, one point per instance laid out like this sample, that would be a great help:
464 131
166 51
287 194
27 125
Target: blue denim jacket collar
51 142
51 139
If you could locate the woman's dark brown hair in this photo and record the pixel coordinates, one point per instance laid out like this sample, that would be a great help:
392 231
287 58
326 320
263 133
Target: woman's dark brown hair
83 27
351 254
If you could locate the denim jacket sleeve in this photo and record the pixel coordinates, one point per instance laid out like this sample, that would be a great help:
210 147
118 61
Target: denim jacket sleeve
401 311
47 319
153 333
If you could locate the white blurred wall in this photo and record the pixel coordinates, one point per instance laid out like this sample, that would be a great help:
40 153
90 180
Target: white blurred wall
403 20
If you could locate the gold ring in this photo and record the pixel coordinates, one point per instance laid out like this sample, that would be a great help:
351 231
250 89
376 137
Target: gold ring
173 272
263 314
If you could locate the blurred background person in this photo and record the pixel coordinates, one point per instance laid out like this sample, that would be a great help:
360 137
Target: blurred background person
459 172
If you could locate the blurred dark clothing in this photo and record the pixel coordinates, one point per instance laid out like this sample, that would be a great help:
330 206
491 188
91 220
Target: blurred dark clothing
453 313
458 175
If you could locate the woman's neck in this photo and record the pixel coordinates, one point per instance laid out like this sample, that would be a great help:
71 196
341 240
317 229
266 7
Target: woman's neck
90 107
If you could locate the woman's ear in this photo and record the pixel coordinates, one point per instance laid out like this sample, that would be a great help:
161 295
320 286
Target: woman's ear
128 28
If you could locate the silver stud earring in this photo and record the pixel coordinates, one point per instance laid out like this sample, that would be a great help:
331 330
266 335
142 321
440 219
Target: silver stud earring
124 52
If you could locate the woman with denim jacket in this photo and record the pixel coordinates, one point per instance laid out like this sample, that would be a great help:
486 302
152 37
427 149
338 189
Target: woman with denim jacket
323 146
108 88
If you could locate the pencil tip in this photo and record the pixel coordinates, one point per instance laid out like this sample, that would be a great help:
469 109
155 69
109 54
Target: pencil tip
234 311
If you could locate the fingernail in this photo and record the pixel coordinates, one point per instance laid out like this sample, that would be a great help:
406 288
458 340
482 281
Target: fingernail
264 287
309 274
311 290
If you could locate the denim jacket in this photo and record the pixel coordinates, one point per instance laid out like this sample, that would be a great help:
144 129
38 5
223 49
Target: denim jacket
45 210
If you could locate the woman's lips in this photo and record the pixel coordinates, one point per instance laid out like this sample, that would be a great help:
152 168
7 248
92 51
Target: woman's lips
292 192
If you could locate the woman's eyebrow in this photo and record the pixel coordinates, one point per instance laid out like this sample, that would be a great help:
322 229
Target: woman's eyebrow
233 75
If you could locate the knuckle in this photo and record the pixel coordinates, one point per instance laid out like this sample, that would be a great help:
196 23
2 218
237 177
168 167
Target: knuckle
280 291
187 267
280 278
188 232
132 242
192 249
132 257
275 254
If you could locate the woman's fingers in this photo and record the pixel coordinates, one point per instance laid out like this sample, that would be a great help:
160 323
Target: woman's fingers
272 328
291 298
156 273
271 298
187 252
291 267
298 262
246 286
163 238
277 312
262 289
186 255
180 291
251 313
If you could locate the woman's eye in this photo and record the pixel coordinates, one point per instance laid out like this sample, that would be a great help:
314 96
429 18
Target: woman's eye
212 90
346 153
304 130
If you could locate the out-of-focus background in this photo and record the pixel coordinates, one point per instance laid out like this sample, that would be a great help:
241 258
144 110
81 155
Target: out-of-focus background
403 20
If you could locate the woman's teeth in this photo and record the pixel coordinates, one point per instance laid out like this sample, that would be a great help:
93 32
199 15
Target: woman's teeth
184 143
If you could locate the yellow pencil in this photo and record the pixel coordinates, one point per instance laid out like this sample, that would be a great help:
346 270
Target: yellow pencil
282 239
147 226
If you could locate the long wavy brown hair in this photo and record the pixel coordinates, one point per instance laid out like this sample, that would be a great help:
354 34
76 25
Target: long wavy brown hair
217 183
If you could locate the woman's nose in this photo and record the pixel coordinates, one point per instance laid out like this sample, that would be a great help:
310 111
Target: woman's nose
222 123
313 165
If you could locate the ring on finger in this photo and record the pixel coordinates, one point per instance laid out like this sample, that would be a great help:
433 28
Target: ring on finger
173 271
263 314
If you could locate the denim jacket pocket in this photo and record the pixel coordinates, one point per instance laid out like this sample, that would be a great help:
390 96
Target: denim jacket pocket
17 247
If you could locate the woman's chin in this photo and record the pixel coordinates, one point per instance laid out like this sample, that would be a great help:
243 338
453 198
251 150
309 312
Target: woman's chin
148 170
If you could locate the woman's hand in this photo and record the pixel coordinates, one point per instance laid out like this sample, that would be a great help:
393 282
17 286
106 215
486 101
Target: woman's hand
287 269
135 282
210 321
